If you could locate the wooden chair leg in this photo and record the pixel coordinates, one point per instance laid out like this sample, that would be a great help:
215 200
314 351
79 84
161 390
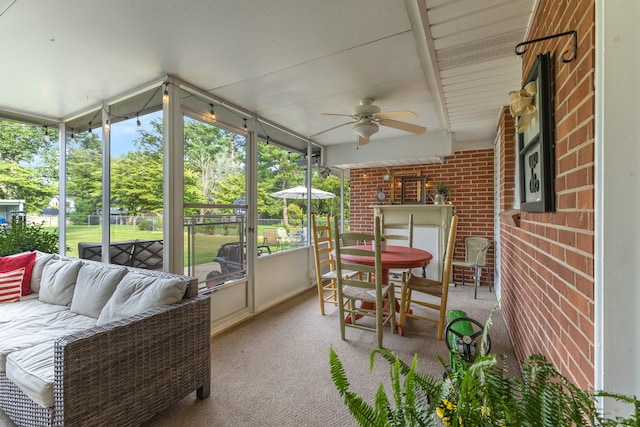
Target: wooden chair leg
392 309
405 296
342 319
321 296
441 322
352 316
334 292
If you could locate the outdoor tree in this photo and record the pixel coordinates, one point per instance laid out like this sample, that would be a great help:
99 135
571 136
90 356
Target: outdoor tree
216 169
136 189
277 170
329 206
230 189
23 183
214 153
21 143
22 148
84 176
295 213
211 154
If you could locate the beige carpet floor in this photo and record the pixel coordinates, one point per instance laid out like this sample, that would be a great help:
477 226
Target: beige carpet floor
273 370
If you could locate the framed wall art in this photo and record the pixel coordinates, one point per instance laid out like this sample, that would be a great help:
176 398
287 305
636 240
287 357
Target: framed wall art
536 140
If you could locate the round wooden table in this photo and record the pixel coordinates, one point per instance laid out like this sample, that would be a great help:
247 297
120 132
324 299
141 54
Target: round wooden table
400 257
395 257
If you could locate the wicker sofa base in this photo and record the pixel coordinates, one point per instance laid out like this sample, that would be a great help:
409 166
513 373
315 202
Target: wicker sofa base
20 408
124 372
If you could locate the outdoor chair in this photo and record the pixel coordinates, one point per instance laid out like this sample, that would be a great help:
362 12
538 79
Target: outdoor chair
475 256
379 298
229 264
269 237
297 237
282 236
411 305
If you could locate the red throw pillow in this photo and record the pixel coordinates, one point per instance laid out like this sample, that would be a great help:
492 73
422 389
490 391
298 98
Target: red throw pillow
10 285
14 262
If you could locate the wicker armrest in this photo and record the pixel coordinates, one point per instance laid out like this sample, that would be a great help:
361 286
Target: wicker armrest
125 372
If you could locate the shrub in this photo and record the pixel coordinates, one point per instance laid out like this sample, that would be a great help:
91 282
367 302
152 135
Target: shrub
23 237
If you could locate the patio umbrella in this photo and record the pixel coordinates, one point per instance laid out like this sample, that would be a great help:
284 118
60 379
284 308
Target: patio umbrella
300 192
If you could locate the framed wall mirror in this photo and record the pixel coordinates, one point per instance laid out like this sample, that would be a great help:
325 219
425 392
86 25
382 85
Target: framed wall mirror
396 184
414 190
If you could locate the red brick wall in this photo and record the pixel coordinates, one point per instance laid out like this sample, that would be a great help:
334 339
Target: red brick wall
547 263
507 161
470 174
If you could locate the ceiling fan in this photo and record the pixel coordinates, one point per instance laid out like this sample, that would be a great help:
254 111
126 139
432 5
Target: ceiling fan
367 117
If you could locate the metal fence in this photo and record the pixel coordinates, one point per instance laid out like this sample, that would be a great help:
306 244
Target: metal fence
151 223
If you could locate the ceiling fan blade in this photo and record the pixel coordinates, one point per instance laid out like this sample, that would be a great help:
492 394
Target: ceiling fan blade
330 129
408 127
362 141
336 114
402 114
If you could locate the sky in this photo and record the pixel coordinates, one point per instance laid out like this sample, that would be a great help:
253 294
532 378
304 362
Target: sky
125 132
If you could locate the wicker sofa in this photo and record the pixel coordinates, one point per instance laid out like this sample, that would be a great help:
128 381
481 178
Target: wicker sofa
119 372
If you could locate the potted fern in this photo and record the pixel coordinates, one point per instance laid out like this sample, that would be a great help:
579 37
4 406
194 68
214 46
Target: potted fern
477 394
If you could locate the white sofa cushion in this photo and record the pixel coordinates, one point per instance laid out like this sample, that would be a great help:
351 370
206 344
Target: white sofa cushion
95 285
59 281
36 273
15 336
139 292
28 307
32 369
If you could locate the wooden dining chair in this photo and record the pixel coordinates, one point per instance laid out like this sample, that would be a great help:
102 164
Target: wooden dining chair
324 259
428 293
353 292
401 233
325 262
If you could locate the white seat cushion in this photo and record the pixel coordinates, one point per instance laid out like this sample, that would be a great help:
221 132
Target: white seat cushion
32 369
28 307
16 336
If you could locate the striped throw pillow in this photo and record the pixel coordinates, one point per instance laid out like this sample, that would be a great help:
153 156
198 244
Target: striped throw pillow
10 285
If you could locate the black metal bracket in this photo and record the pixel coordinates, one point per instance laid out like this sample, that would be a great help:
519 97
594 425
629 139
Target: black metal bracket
521 49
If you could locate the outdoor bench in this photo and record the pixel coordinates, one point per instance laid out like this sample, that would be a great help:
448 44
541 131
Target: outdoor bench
139 253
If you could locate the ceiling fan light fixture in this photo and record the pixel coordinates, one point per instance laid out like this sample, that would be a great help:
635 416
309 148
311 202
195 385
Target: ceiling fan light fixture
365 128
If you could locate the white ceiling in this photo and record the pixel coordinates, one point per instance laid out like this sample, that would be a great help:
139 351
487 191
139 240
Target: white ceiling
450 61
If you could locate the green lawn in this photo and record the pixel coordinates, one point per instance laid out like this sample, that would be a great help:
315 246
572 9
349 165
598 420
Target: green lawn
206 245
